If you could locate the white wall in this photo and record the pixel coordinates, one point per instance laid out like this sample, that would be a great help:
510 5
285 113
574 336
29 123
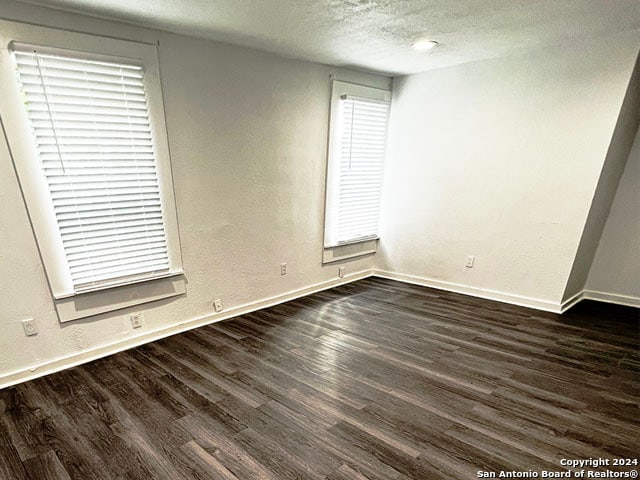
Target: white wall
615 270
248 134
619 149
500 159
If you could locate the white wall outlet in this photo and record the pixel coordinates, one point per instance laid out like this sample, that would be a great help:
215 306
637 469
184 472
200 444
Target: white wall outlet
217 305
341 271
283 269
471 259
137 319
29 326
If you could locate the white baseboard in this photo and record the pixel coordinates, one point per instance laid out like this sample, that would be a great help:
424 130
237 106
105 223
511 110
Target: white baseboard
68 361
522 301
616 298
567 304
607 297
78 358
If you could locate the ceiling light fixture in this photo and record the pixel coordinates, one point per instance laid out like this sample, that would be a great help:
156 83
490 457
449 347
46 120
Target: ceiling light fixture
424 45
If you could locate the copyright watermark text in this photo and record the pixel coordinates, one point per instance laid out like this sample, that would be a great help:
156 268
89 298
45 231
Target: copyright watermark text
575 468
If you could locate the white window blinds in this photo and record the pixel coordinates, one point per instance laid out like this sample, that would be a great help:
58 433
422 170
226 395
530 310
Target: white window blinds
355 169
93 136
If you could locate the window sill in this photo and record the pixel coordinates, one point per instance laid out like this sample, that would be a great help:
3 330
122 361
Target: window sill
145 278
103 301
351 250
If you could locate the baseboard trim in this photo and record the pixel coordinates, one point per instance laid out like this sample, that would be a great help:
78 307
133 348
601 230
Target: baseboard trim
522 301
62 363
519 300
68 361
626 300
567 304
607 297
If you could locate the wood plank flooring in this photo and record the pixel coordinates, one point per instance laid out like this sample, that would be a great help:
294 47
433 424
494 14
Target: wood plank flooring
371 380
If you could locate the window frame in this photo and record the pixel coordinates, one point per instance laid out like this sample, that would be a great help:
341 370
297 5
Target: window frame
23 151
339 89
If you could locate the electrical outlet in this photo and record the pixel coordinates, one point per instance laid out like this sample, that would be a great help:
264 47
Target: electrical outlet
137 319
341 271
217 305
470 261
29 326
283 269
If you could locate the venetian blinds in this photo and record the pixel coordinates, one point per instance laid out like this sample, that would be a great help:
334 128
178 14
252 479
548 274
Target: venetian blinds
358 162
93 136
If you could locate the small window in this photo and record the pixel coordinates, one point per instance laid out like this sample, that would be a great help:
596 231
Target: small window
87 134
357 144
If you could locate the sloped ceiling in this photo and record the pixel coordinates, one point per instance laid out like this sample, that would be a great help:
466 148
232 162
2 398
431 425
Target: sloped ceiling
376 35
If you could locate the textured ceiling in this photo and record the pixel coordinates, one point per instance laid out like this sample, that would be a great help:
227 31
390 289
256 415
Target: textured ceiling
375 35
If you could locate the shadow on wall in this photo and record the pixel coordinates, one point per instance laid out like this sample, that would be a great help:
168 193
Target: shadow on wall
614 164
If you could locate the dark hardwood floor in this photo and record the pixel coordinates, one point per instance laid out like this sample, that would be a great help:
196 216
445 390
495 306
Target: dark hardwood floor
371 380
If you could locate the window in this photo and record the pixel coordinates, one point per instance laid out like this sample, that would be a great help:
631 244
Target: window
87 136
91 127
357 142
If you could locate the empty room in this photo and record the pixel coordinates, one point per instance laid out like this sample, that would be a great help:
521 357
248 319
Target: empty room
319 239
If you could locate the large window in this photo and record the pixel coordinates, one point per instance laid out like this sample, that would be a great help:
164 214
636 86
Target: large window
91 128
357 144
87 135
